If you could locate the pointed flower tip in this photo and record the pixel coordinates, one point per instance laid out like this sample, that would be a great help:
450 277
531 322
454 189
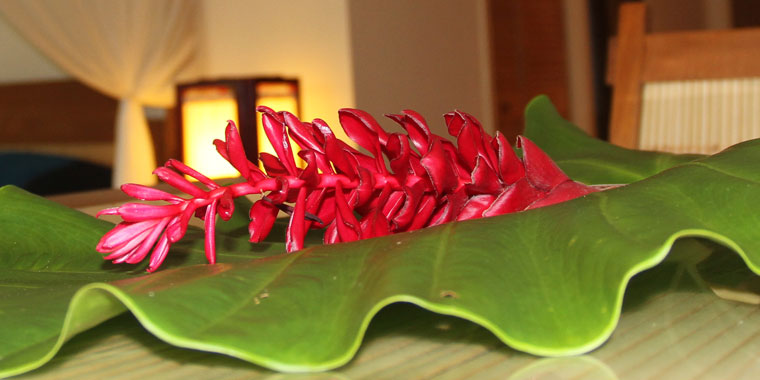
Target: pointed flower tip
230 128
264 109
173 163
108 211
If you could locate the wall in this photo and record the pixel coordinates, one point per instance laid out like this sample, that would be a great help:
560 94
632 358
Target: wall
578 60
299 38
427 55
379 56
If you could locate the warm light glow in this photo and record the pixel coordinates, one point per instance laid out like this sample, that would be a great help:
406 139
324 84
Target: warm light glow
205 111
278 96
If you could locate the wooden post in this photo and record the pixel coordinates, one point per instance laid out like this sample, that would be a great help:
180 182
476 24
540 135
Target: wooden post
629 62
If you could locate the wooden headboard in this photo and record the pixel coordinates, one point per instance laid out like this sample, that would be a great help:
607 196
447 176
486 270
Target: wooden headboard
69 119
62 117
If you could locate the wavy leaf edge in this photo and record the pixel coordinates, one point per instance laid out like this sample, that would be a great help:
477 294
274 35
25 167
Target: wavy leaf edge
119 301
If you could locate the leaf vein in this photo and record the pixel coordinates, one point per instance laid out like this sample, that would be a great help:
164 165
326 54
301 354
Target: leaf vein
705 165
439 255
256 291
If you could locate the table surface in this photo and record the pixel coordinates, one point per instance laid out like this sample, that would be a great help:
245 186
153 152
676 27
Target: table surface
676 332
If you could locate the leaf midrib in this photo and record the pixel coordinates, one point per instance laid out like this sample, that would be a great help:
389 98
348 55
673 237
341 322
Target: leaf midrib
266 284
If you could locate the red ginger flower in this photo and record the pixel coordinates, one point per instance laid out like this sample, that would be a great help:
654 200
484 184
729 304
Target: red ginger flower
350 194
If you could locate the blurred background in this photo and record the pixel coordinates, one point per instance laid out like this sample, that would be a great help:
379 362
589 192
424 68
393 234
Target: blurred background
61 93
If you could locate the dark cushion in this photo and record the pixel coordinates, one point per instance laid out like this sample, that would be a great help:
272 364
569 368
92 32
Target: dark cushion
45 174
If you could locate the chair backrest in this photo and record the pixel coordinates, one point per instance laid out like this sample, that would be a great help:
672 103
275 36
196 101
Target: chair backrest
693 91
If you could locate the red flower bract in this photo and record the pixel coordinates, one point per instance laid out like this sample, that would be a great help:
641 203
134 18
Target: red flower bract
349 194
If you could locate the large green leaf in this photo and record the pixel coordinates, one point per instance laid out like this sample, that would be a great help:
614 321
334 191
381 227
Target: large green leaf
548 281
50 275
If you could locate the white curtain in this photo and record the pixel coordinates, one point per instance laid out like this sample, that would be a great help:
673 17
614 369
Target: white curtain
128 49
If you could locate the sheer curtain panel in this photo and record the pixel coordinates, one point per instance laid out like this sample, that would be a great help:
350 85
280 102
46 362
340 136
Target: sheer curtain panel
128 49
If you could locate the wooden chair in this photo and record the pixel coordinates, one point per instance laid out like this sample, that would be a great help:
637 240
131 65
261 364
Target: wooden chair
692 65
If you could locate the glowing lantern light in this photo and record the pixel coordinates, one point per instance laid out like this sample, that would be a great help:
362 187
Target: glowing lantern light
204 108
